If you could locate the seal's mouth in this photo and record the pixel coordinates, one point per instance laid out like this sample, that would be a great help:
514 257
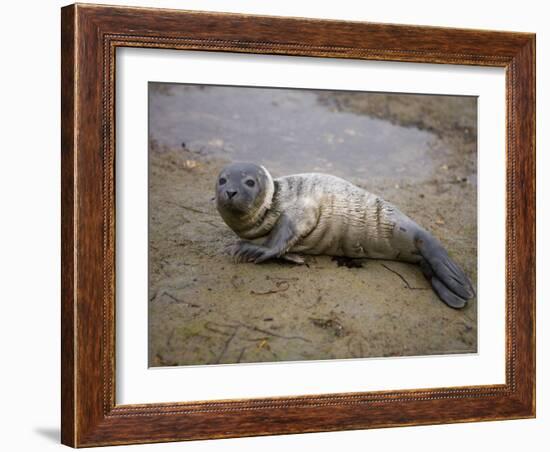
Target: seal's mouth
232 202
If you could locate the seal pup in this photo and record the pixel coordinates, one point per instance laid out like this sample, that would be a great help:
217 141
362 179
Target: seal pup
316 213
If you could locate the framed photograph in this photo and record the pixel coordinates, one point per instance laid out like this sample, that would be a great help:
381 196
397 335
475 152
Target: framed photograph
281 225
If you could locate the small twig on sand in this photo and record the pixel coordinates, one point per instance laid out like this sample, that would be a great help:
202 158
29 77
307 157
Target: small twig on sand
241 355
281 286
226 346
208 326
211 223
403 279
213 327
192 209
177 300
281 278
271 333
317 300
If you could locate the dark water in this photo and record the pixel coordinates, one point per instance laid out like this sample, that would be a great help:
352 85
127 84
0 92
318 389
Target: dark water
286 130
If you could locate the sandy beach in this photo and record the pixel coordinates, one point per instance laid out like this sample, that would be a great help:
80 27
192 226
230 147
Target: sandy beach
418 152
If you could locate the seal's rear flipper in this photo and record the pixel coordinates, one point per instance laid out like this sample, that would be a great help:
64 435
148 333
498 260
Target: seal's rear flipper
447 278
449 297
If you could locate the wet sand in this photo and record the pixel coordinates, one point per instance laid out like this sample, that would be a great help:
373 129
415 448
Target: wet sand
418 152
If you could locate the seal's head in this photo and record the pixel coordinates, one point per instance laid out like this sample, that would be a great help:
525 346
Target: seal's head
243 192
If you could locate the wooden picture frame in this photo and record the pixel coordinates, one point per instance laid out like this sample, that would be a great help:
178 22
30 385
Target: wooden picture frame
90 36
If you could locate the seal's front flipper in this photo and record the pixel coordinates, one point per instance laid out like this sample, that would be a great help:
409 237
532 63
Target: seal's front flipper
286 232
280 240
447 278
245 251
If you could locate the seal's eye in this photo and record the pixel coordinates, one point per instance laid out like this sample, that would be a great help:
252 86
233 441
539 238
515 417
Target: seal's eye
222 181
250 183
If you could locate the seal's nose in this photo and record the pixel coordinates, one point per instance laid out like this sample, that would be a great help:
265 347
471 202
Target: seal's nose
230 194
